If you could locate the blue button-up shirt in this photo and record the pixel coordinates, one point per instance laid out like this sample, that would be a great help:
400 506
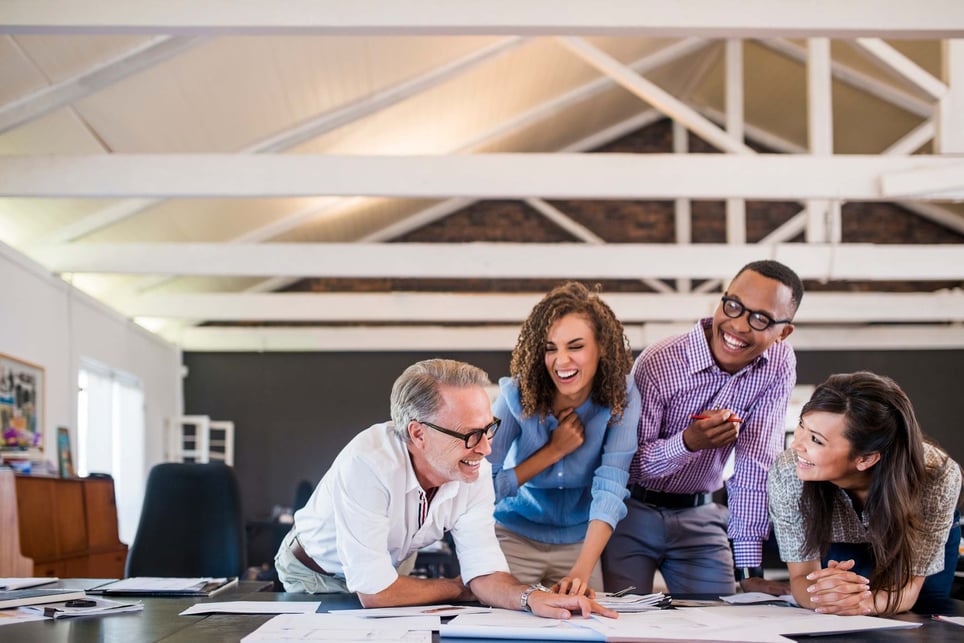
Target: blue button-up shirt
556 505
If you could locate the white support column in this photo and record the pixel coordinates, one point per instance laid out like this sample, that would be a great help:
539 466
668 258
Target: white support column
950 109
683 218
820 129
735 208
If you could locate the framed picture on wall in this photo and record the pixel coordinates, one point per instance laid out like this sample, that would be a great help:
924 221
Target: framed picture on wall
21 404
65 463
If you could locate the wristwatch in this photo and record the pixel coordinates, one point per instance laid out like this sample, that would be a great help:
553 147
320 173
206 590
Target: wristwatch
524 599
742 573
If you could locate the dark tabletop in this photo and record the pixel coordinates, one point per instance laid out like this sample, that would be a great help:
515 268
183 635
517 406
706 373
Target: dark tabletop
160 621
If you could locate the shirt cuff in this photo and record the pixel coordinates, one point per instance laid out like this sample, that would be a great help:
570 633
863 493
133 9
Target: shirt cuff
677 449
747 553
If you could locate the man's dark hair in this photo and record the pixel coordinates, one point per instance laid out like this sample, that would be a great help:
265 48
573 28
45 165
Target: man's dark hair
775 270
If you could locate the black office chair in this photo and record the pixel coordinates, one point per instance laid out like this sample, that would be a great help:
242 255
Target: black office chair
191 523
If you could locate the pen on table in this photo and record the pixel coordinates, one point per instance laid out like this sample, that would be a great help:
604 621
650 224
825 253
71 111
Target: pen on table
623 591
705 417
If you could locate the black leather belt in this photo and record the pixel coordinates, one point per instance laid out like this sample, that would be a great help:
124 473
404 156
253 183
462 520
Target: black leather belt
669 500
302 556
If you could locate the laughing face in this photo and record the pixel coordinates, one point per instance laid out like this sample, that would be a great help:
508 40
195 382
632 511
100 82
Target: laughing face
439 457
823 452
733 343
572 357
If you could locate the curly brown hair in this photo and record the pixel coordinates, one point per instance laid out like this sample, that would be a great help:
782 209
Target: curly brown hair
528 358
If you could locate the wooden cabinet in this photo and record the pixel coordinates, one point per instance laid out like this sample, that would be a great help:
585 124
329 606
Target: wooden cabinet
69 527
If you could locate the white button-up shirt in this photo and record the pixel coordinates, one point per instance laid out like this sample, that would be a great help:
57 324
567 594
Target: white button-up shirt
368 515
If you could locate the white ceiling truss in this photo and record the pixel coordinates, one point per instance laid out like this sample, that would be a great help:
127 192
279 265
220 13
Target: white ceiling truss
165 181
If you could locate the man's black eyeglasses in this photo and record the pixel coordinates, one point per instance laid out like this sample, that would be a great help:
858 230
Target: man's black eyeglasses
734 309
473 437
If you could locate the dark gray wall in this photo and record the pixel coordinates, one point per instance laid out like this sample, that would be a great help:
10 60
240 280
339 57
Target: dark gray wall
293 412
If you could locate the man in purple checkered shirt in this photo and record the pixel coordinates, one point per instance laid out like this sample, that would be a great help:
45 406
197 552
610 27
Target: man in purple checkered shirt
722 388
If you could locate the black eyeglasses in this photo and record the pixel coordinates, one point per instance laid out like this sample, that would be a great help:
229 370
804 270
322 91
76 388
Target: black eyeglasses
473 437
734 309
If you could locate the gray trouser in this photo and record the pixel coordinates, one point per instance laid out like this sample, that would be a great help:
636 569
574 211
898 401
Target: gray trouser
688 546
297 578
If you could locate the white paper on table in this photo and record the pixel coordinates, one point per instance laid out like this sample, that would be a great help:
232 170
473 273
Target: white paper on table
956 620
513 624
338 627
415 610
254 607
750 598
8 584
743 623
771 623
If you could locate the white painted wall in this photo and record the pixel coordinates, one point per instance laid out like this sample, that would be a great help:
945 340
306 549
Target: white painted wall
46 321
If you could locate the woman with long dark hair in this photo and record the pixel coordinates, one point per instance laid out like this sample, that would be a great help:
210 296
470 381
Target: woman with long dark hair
863 506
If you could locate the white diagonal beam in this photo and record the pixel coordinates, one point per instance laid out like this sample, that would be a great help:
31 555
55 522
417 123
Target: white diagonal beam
70 90
412 307
857 79
589 90
505 260
553 214
936 214
582 233
568 176
654 95
912 140
659 18
902 66
356 110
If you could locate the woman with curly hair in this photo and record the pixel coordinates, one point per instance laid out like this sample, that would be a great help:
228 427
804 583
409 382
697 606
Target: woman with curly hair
863 507
560 460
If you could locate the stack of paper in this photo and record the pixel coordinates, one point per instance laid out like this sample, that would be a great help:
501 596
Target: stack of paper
162 586
17 597
22 583
759 598
100 607
634 602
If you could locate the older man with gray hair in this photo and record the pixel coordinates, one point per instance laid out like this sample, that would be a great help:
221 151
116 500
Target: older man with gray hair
399 486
